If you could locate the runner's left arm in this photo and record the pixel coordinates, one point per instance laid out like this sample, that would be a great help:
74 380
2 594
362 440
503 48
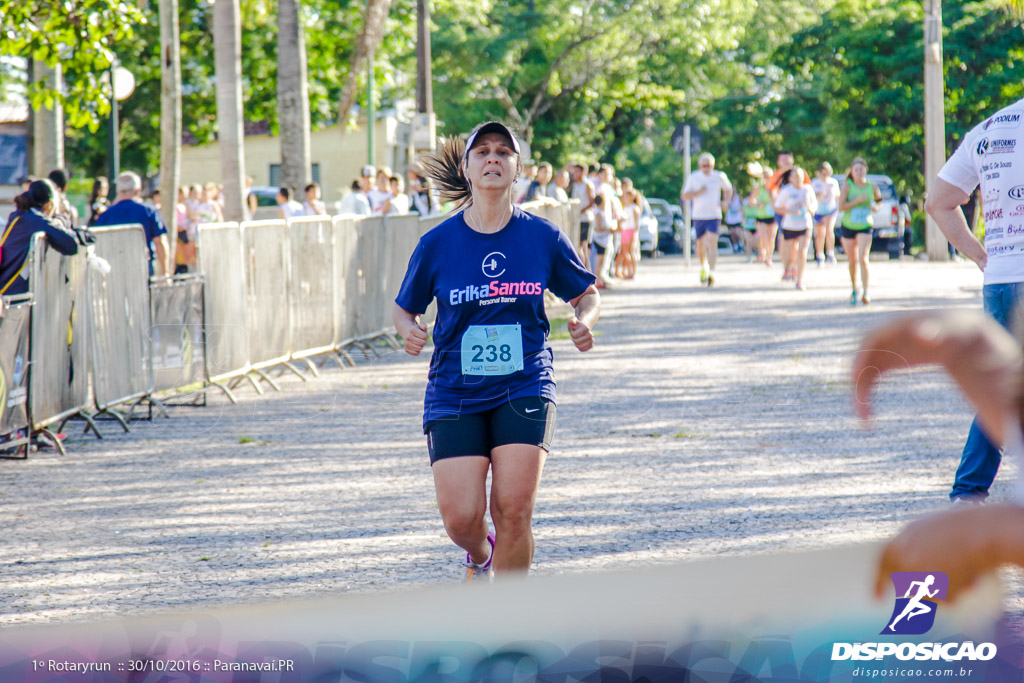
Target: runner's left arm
586 311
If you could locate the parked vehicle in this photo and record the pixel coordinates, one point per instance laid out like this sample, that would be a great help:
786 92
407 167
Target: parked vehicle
670 225
889 221
647 231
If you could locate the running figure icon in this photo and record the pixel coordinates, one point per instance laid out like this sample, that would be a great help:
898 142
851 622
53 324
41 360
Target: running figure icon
916 606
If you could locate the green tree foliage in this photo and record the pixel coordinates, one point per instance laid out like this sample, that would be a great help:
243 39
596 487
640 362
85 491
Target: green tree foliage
81 35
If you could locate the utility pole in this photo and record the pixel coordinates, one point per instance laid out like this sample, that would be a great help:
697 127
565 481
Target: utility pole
934 121
424 84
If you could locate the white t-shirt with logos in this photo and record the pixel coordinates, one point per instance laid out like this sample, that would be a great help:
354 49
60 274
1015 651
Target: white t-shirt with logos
708 204
793 199
827 193
992 155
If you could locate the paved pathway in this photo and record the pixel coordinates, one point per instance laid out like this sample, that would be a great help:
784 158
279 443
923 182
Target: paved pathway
706 422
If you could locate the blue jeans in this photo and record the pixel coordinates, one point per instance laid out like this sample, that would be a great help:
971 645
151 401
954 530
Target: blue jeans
980 460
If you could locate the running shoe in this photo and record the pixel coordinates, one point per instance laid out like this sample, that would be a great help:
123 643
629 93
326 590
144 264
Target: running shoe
830 257
853 298
820 260
800 286
711 278
703 276
476 571
865 299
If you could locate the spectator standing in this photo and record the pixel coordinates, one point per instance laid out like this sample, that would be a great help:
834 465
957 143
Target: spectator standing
998 138
185 249
286 206
128 209
561 191
707 188
98 198
59 177
313 206
381 193
583 190
34 211
539 186
421 200
625 265
399 201
355 202
523 182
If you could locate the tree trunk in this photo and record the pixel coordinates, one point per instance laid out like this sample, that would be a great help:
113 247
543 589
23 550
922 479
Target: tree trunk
170 114
369 40
292 97
48 124
227 44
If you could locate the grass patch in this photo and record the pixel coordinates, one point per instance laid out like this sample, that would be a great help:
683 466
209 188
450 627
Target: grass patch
245 439
681 434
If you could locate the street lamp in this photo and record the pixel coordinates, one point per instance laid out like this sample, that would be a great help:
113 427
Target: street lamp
123 85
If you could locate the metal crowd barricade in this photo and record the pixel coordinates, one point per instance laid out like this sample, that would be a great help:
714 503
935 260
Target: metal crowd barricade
267 272
401 236
177 336
219 248
120 320
313 289
347 268
58 352
15 436
370 244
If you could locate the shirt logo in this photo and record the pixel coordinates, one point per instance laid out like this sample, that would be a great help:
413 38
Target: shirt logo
1003 121
1016 192
914 613
982 147
494 264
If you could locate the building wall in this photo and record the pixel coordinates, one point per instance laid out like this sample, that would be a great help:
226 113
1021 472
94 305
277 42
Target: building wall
340 156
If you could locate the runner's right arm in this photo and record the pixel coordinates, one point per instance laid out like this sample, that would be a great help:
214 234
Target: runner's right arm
410 328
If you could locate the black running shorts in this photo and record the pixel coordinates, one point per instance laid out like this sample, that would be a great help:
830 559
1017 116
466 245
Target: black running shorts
529 421
850 234
793 234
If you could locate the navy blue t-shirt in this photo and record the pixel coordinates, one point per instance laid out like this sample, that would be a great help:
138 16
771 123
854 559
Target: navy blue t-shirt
129 211
490 280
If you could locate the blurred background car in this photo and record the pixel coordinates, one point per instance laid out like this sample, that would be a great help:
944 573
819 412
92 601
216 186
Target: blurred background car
647 231
670 225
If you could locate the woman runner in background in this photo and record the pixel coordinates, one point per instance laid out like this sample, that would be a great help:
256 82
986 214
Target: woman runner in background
796 204
490 399
857 202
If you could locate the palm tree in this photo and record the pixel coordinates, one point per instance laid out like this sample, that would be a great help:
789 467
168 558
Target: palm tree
292 96
227 47
170 111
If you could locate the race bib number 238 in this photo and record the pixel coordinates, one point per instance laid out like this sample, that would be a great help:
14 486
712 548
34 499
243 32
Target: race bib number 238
492 350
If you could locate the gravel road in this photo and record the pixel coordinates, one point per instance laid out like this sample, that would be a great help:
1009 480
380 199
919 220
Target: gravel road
706 422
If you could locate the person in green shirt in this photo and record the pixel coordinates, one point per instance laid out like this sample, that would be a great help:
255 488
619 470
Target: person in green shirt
857 200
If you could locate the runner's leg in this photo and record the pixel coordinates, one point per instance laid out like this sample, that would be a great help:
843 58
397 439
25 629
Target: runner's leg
515 476
461 487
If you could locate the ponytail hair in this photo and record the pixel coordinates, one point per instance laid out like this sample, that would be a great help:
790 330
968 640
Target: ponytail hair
444 167
38 195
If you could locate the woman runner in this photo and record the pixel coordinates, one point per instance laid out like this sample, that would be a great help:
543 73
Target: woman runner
490 399
761 199
796 203
826 189
857 201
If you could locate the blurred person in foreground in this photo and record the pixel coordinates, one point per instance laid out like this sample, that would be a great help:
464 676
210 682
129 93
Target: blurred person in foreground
988 365
128 210
1001 258
35 211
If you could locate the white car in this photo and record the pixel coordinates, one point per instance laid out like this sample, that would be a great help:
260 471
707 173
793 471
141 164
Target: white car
648 231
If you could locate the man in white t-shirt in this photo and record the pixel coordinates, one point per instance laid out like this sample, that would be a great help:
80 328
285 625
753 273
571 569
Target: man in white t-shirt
708 189
992 155
288 207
